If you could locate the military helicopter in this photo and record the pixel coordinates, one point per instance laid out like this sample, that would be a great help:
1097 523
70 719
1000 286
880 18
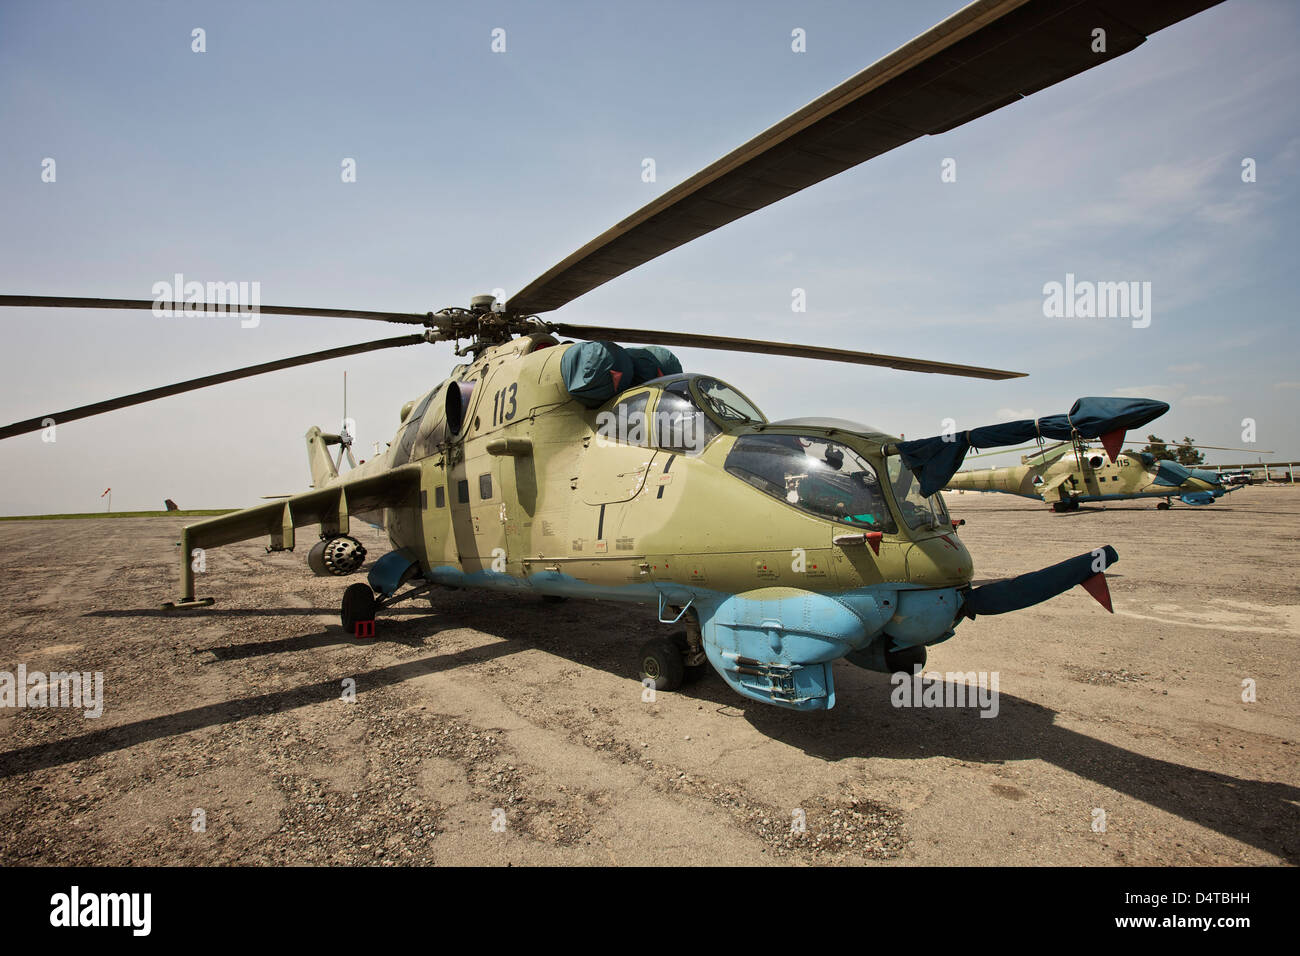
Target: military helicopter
1068 474
584 469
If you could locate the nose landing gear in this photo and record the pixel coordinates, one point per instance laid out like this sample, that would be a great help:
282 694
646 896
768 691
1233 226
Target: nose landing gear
357 613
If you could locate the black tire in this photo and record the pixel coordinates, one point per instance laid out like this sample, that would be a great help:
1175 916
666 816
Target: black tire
358 606
661 661
1060 507
1162 506
554 598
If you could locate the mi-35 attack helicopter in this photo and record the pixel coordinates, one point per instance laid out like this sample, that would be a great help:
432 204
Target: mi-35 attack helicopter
1069 473
588 470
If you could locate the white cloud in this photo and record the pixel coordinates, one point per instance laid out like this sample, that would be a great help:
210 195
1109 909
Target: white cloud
1161 393
1015 414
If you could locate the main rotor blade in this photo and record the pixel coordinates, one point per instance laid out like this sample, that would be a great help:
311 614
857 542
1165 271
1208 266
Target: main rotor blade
727 344
985 56
66 302
1037 449
149 395
1253 451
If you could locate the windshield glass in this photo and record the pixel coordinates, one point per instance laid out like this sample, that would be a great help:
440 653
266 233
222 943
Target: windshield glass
815 475
725 403
918 511
679 423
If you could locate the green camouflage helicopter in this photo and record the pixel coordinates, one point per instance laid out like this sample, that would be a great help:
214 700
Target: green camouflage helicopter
589 470
1069 474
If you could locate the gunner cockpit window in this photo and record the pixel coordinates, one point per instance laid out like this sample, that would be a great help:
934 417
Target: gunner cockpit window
815 475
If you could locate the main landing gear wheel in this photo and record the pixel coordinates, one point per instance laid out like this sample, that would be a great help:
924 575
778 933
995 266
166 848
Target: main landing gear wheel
1162 506
358 610
662 662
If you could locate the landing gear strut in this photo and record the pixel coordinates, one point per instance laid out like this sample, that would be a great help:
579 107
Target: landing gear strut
676 659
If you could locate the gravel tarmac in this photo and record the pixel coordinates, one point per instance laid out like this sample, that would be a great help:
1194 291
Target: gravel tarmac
498 731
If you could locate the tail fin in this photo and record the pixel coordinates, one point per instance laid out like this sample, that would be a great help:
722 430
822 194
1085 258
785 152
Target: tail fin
318 457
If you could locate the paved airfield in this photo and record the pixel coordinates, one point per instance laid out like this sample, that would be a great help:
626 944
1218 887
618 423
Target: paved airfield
494 731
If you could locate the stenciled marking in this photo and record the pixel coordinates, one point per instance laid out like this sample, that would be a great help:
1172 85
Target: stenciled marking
668 464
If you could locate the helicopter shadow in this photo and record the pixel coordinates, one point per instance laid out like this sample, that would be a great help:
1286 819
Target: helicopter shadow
220 612
1263 814
863 724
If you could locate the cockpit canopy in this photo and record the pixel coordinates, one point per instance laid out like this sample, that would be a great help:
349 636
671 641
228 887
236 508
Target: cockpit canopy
689 410
830 479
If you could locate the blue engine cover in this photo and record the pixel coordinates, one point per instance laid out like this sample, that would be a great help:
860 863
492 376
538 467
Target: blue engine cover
389 572
1198 498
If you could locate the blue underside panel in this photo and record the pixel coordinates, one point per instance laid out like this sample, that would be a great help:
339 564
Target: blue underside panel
773 645
1170 493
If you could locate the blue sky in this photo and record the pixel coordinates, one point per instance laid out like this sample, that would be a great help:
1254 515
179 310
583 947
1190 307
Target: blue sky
478 170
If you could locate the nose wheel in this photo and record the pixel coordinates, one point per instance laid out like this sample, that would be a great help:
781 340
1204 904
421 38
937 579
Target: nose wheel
357 613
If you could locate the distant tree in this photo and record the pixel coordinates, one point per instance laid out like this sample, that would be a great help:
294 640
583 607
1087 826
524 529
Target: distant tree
1158 449
1187 454
1184 453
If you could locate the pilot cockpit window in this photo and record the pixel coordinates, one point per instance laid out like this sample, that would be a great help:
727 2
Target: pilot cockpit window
626 422
725 403
815 475
680 424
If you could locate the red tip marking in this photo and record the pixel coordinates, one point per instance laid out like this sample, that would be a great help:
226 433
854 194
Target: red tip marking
1113 442
873 539
618 379
1097 587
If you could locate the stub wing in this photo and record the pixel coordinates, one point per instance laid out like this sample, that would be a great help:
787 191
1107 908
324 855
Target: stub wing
330 507
1050 486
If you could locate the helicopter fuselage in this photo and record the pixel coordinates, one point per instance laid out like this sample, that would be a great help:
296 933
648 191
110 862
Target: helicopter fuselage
786 542
1068 480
